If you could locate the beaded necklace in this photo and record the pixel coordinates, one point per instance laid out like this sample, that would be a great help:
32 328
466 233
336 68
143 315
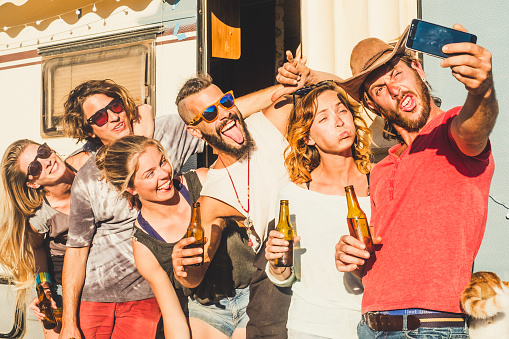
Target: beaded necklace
248 222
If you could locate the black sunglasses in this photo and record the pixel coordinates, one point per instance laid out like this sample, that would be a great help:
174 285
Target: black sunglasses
35 167
101 116
305 90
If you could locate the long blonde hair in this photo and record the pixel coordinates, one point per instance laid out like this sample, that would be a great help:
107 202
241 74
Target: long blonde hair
301 159
17 203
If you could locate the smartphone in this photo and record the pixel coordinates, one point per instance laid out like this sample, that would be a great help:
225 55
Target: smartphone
429 38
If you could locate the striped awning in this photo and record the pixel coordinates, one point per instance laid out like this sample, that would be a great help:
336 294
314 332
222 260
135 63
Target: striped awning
15 15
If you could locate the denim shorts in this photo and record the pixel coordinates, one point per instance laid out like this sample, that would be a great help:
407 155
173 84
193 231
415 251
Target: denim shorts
365 332
225 315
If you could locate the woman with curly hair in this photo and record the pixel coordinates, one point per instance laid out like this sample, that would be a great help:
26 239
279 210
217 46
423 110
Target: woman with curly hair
328 150
35 190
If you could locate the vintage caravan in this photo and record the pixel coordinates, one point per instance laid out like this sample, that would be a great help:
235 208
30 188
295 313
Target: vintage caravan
47 47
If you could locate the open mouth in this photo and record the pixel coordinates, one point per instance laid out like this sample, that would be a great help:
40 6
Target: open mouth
232 130
53 168
408 103
165 187
119 127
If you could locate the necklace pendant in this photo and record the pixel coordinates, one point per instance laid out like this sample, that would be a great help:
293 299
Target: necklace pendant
248 223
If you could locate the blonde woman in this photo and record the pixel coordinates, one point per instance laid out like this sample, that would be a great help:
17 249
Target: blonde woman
140 169
328 150
35 188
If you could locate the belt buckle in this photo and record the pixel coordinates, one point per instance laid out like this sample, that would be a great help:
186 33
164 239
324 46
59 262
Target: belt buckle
390 323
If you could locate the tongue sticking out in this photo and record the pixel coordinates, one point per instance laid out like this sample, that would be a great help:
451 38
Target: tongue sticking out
234 133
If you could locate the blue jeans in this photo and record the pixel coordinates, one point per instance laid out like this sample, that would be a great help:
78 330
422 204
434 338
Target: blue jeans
364 332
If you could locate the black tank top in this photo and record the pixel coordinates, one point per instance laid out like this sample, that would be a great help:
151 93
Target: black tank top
230 269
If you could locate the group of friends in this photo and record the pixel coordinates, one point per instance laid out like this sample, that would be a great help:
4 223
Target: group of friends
108 222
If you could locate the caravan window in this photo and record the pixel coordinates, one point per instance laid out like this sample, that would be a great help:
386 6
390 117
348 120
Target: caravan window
65 67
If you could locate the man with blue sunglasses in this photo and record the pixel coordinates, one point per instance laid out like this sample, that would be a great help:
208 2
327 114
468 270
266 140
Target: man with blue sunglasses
242 183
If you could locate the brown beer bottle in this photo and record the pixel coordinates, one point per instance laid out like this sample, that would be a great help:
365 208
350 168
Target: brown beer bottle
284 226
196 230
43 281
357 221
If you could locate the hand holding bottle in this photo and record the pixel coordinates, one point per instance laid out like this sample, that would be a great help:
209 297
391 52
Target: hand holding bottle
276 247
351 253
34 306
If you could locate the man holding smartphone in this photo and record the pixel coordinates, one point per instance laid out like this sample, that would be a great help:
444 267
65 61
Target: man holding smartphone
429 196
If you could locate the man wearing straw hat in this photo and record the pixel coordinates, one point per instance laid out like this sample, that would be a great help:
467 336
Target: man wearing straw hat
429 196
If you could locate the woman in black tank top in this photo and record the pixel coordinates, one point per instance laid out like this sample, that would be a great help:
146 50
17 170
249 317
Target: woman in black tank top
140 169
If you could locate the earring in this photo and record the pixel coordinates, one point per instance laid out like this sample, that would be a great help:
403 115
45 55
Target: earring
423 79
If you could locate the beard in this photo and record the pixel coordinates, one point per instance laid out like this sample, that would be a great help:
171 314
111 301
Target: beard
218 142
397 118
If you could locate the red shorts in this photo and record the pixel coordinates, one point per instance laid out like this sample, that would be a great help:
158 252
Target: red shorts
123 320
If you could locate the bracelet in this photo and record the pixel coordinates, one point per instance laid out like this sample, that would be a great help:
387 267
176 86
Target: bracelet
281 283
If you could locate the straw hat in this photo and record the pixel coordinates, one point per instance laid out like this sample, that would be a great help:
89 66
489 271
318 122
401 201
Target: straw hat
368 55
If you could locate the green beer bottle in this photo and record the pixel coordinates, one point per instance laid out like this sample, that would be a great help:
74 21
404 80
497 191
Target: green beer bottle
196 230
284 226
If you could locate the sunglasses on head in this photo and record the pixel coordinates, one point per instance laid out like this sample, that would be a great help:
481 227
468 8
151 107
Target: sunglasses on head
211 113
305 90
35 167
101 116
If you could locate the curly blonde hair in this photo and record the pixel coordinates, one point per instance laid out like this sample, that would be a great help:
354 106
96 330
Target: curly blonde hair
301 159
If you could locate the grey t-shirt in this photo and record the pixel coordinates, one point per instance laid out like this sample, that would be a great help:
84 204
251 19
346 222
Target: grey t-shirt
54 225
102 219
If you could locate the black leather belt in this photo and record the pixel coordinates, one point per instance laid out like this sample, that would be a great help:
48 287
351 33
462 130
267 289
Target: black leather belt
388 323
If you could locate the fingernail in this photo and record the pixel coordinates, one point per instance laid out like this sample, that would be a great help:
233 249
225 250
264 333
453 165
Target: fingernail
295 82
445 48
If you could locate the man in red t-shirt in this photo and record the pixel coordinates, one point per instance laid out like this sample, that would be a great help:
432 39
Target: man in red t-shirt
429 196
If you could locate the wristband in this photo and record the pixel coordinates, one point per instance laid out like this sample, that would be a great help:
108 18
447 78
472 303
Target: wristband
281 283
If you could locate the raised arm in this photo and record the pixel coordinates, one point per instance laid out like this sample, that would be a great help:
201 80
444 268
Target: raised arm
174 320
294 74
256 101
472 66
143 122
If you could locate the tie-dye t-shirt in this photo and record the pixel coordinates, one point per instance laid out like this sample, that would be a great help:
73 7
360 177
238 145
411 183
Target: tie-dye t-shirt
101 218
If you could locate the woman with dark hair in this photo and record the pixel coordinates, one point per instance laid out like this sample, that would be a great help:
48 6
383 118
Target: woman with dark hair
328 150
